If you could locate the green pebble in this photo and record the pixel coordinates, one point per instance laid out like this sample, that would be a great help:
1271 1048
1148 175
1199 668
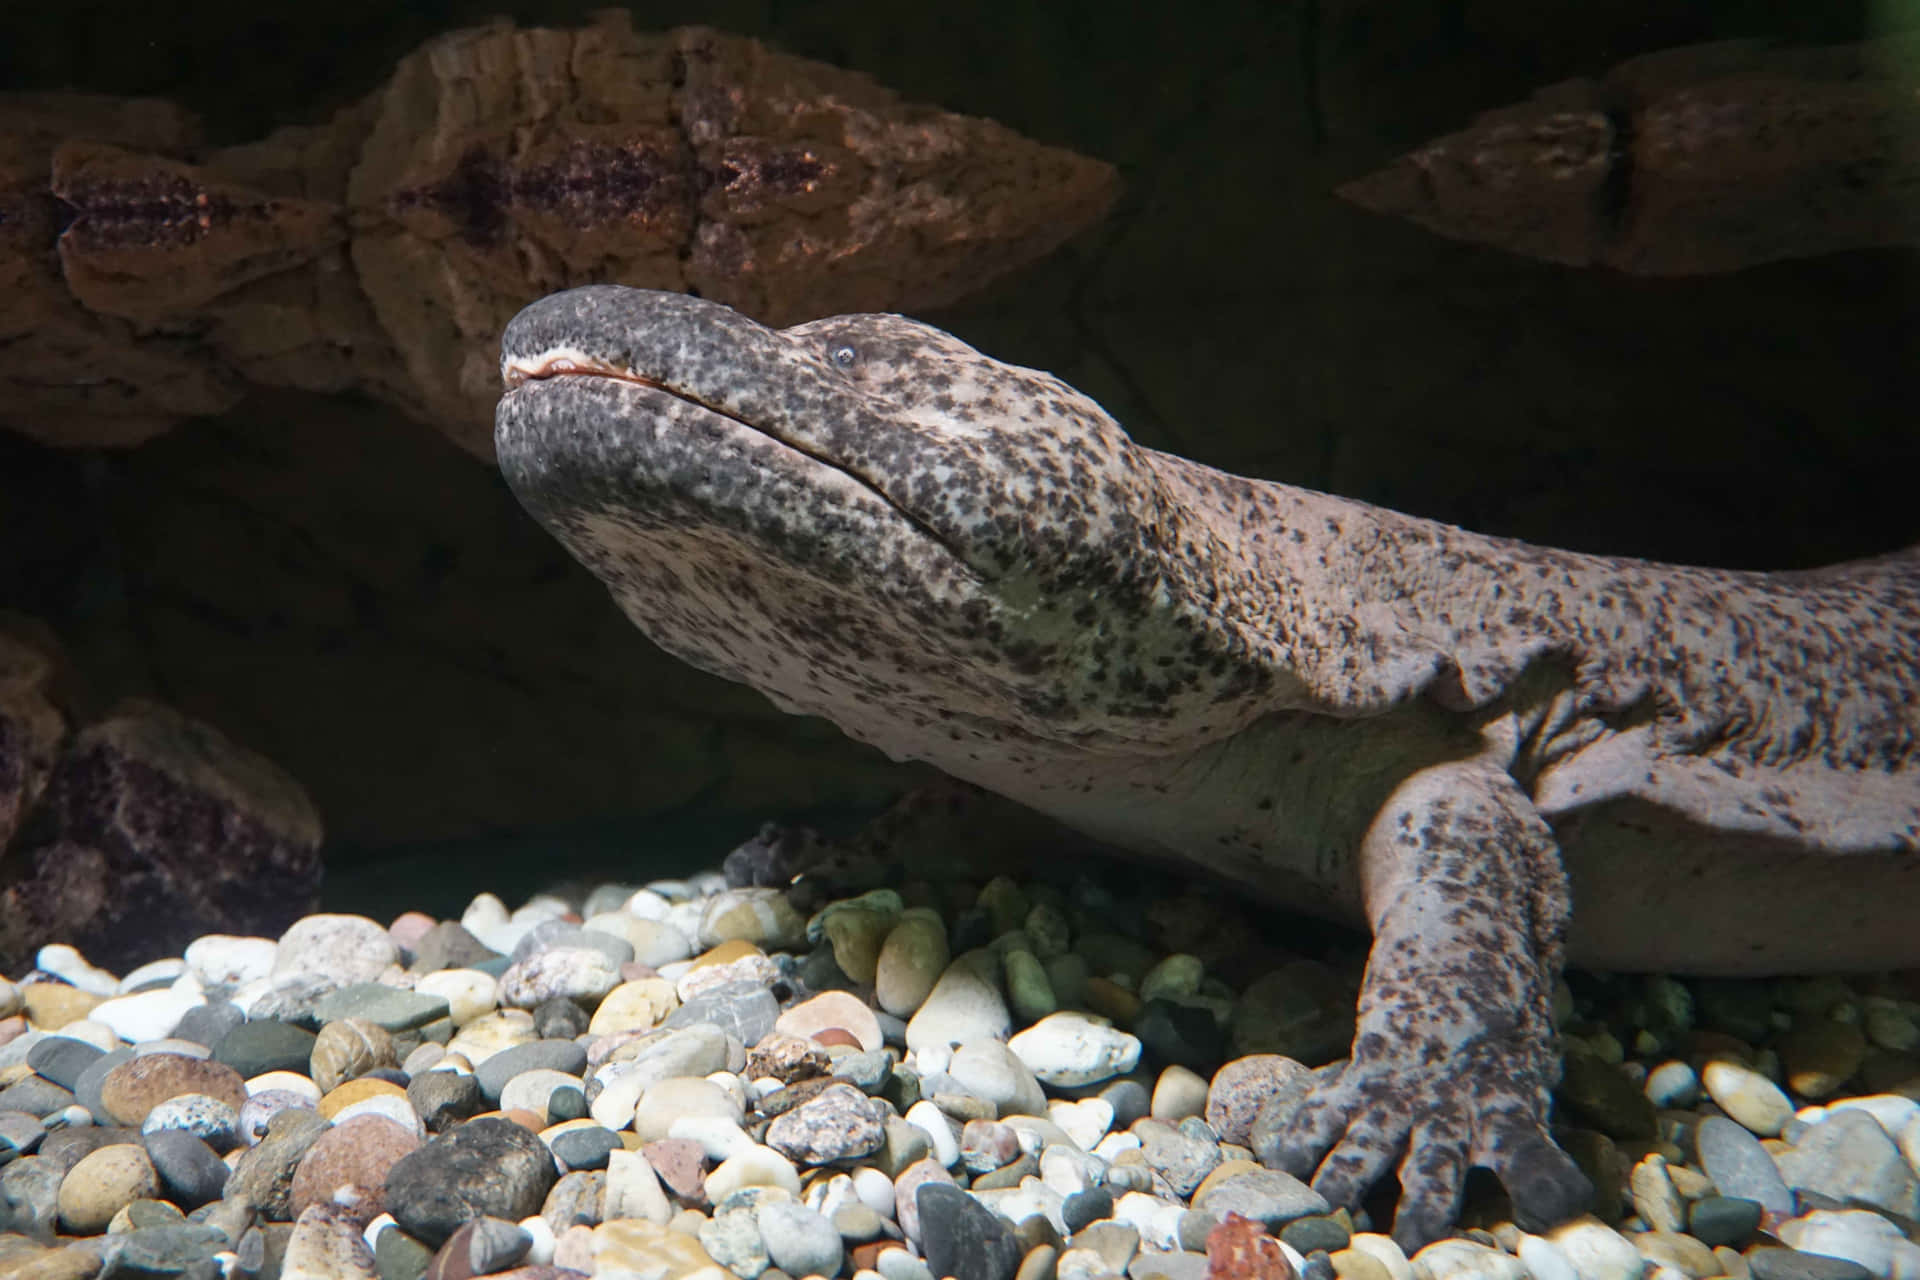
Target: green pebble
1028 989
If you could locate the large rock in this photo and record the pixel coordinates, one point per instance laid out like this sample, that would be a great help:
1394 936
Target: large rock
154 829
31 721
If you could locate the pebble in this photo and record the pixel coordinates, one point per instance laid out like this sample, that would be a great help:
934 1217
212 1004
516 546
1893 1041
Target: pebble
135 1087
1456 1259
1748 1097
190 1172
1073 1048
1848 1157
1740 1166
488 1165
911 962
357 1152
103 1183
228 960
964 1005
341 949
1791 1264
643 1113
148 1015
992 1070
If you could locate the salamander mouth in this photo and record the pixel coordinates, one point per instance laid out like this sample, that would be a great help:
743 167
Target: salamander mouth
523 374
517 372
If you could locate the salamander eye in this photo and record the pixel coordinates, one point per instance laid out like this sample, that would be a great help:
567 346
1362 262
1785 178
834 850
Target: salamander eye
844 357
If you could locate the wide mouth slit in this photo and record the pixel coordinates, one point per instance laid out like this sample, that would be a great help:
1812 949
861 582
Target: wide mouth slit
518 373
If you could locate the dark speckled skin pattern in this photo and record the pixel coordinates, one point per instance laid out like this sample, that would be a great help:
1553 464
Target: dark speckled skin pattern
1454 738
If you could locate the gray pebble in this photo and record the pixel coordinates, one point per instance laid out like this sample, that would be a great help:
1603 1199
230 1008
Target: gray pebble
1849 1158
799 1241
554 1055
189 1169
256 1047
585 1148
747 1010
1086 1207
391 1008
559 1019
1317 1231
36 1096
443 1099
1728 1220
1130 1100
61 1059
487 1166
208 1024
181 1249
566 1103
1791 1264
1740 1166
732 1238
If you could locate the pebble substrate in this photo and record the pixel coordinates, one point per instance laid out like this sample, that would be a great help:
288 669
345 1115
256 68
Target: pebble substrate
689 1081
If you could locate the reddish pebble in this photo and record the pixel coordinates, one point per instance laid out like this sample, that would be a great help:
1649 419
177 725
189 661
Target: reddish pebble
1240 1249
408 928
830 1036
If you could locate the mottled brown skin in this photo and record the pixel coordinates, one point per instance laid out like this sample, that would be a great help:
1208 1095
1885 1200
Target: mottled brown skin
1451 737
383 250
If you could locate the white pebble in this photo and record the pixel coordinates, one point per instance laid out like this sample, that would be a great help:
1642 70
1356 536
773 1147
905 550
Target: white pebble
633 1190
1157 1220
1016 1204
469 993
875 1190
1596 1251
291 1081
933 1121
230 960
388 1106
533 1090
757 1167
1069 1171
1071 1048
1672 1084
1856 1235
1110 1147
1085 1121
67 964
539 909
155 973
1753 1101
718 1136
1893 1111
965 1004
1465 1260
148 1015
1384 1251
343 949
540 1241
1545 1260
647 905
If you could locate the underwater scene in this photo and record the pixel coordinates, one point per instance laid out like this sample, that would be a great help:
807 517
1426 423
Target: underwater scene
1228 642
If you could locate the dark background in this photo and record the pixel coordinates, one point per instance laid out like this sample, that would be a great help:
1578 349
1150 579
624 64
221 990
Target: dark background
338 587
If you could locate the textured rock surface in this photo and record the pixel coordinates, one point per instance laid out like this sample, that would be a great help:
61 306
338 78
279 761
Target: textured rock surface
153 829
387 248
1693 160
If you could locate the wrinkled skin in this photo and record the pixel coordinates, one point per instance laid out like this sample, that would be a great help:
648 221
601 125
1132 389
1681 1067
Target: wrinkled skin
1451 738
